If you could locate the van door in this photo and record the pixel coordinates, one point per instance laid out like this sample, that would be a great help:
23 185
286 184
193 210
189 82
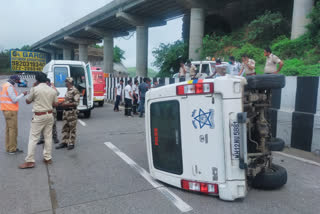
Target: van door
89 86
60 73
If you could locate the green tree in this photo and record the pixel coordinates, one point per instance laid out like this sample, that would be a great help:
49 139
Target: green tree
118 54
168 56
26 48
314 26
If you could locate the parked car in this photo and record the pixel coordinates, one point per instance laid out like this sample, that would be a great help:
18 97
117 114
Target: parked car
23 83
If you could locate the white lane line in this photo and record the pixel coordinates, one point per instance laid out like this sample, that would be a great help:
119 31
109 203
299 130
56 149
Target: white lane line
298 158
178 202
82 123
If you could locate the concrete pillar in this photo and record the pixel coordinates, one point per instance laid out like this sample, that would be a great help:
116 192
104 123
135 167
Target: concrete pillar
301 8
142 51
108 53
53 56
197 21
83 53
66 54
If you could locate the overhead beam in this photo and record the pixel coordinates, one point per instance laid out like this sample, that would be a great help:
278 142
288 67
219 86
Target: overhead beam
103 32
81 41
193 3
63 46
140 21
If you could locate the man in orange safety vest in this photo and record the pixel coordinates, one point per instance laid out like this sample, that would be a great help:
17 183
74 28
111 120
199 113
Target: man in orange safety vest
9 106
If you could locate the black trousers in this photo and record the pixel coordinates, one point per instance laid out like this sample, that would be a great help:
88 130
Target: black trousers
116 104
135 104
127 107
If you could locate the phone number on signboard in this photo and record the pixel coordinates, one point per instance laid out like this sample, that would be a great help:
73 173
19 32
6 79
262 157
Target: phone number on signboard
26 68
21 63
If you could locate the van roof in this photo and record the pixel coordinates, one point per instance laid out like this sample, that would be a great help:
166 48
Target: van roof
66 62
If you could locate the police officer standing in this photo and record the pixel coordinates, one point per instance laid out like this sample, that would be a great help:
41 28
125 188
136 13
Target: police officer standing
43 98
70 115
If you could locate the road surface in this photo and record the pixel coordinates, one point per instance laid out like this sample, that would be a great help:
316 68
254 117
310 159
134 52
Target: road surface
93 178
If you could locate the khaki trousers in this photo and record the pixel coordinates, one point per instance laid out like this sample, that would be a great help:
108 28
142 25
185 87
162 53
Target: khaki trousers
41 123
11 118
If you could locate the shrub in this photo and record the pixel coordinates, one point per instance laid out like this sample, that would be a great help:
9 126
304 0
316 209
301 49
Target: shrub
216 46
296 67
286 48
267 27
252 51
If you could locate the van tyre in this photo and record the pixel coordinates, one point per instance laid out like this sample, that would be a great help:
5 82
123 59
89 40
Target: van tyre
271 178
87 114
266 81
276 144
101 103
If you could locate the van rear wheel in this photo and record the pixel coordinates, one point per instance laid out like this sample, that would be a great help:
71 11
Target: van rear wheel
271 178
266 81
101 103
87 114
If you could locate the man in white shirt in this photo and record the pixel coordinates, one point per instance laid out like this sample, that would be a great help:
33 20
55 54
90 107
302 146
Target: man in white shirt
234 67
128 99
135 95
118 94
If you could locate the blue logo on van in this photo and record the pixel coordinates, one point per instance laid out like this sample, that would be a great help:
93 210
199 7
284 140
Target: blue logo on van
202 119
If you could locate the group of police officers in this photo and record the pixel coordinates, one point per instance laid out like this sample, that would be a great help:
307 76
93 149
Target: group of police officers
43 96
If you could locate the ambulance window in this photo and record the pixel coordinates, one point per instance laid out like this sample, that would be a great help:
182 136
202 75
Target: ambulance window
60 75
166 136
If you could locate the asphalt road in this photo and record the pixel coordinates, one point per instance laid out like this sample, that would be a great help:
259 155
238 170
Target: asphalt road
92 178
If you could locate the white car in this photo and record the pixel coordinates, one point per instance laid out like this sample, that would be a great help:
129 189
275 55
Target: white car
58 70
204 69
199 137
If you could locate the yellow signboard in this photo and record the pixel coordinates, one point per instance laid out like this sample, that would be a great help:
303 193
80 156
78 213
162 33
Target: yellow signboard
22 61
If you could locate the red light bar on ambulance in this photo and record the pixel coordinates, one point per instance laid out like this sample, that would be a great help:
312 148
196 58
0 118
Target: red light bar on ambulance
195 87
195 186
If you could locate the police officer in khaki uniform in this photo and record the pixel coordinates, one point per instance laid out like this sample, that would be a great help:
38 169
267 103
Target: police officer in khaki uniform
70 115
43 98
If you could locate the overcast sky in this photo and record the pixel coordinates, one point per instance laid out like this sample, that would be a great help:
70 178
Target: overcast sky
24 22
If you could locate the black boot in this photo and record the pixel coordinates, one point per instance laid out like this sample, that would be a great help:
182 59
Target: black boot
70 147
61 146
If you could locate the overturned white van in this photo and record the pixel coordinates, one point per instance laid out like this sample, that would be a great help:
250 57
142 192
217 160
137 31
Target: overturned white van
58 70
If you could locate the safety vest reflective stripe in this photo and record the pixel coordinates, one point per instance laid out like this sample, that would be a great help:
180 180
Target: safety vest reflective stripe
8 102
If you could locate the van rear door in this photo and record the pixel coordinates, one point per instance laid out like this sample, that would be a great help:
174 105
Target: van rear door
89 86
60 73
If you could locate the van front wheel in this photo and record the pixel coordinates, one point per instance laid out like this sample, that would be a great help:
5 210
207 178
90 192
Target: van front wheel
87 114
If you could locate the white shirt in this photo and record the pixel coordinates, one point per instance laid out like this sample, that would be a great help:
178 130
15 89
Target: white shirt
135 89
235 68
127 90
13 95
119 89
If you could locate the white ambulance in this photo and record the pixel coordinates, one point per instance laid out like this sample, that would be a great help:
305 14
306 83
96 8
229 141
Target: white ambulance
212 136
58 70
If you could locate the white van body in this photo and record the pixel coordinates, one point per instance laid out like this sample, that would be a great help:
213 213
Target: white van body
196 137
58 70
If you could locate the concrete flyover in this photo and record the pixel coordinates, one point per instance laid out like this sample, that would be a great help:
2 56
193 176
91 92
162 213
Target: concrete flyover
120 17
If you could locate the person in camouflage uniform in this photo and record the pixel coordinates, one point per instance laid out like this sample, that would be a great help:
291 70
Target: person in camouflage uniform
54 112
70 116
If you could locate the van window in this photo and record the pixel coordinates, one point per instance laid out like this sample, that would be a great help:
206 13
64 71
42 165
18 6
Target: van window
79 78
205 69
166 136
60 75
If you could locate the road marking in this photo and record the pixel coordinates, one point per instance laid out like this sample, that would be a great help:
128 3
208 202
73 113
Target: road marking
298 158
82 123
178 202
